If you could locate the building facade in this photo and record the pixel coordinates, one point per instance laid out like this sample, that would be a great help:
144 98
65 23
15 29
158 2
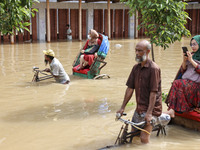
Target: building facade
94 15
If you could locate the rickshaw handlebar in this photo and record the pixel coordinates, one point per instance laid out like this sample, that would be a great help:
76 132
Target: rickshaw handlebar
36 70
162 120
118 117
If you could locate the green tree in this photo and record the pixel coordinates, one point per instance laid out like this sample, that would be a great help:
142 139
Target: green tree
164 20
14 14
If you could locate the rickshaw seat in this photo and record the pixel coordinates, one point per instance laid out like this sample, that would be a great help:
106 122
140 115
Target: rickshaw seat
192 115
82 71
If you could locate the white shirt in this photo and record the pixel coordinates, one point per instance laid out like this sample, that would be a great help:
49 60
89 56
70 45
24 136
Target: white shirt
69 31
58 70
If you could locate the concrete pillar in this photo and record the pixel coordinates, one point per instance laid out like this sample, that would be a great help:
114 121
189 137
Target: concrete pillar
48 22
80 21
90 18
132 26
109 25
12 38
136 24
41 24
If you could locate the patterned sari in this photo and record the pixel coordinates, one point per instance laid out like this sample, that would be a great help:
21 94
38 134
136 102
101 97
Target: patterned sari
184 95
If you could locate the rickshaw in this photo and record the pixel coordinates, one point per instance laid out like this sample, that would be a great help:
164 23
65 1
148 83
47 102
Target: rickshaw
125 136
93 72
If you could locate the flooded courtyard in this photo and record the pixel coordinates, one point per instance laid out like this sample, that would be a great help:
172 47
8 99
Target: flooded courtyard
79 116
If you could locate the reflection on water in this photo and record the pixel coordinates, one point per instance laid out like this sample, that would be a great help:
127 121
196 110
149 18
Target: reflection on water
80 116
62 111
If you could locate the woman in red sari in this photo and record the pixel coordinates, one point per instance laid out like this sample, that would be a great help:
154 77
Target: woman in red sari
93 43
184 95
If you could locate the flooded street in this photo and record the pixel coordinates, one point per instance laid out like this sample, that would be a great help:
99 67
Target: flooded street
81 116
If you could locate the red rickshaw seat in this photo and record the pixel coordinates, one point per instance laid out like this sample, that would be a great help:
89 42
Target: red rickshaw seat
192 115
82 71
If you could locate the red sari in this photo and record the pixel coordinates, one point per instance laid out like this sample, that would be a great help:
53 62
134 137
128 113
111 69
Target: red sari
184 95
90 58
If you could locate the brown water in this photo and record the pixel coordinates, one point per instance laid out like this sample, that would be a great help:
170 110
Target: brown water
51 116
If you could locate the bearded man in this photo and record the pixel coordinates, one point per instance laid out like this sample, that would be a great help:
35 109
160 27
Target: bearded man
145 79
56 68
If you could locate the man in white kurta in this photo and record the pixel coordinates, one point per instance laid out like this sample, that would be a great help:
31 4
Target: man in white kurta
69 33
56 68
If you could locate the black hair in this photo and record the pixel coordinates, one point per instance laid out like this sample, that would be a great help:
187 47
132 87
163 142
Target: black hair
51 57
67 25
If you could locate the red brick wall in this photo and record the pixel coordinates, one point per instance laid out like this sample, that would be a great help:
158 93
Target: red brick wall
74 17
98 20
20 37
34 27
119 23
84 23
6 39
53 24
126 23
63 20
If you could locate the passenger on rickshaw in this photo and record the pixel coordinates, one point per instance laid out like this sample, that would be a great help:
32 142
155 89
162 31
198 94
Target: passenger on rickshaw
184 95
90 49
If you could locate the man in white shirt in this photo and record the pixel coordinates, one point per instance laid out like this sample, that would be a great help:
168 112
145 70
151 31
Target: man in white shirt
69 33
56 68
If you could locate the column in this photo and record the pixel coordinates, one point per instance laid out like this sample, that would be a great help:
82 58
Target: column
48 22
131 26
136 24
109 27
90 18
80 21
41 24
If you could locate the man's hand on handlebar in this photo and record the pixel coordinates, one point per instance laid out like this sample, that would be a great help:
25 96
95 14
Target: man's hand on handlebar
121 111
47 70
148 118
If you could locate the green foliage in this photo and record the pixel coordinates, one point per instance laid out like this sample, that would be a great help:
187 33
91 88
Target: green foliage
129 104
164 19
14 14
164 97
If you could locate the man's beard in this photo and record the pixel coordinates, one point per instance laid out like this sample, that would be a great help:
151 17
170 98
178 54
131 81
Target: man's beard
46 62
141 59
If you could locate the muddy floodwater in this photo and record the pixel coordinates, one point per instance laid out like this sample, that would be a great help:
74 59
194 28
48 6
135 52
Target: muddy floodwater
81 116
